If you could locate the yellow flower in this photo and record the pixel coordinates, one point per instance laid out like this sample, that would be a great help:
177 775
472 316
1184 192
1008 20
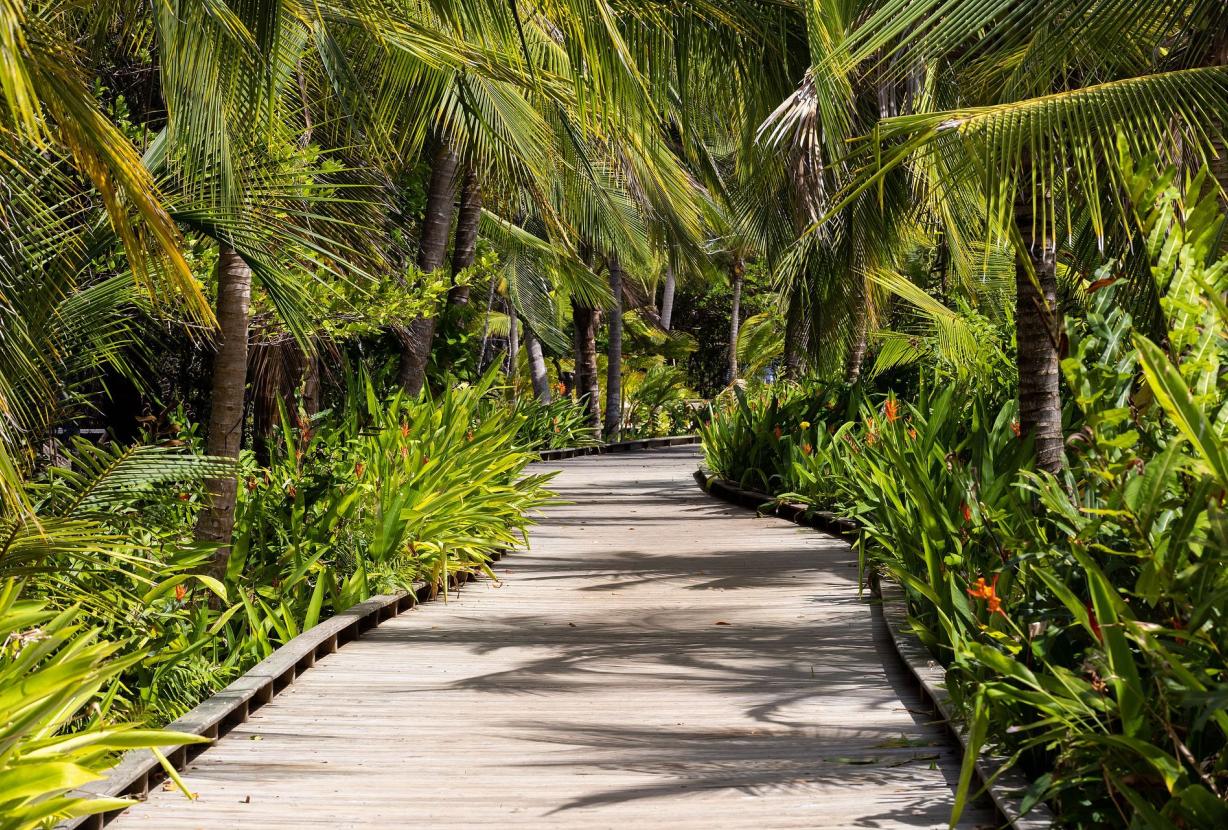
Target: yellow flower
805 425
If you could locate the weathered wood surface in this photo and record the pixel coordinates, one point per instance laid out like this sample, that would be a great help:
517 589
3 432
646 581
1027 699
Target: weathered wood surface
658 659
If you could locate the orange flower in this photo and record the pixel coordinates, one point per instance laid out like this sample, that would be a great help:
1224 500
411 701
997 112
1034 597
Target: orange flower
807 449
292 491
966 511
404 452
1015 428
251 483
989 593
180 593
404 430
892 410
912 434
184 496
469 435
359 468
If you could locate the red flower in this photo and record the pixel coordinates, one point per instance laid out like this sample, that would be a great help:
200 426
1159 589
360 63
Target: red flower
892 410
966 511
989 593
1015 428
184 496
1091 617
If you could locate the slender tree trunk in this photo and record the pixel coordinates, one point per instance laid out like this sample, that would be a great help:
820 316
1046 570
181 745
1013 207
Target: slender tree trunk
432 251
614 358
537 367
667 298
736 274
795 338
466 234
310 380
857 351
586 322
1037 333
234 292
513 342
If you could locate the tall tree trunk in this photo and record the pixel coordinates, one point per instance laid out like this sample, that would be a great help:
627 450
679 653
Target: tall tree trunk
585 321
736 273
310 379
432 251
1037 335
614 358
513 342
466 234
537 367
234 293
667 298
861 323
795 338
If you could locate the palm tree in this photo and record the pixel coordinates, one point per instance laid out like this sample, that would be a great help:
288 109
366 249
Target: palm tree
1030 118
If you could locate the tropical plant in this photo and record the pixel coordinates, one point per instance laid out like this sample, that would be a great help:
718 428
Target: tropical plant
56 738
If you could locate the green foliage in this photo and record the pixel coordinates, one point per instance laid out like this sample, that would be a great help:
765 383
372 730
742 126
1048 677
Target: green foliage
547 426
1081 618
54 736
378 496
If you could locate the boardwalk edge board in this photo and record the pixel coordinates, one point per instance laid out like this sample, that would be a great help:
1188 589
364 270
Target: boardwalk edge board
139 771
1004 789
618 446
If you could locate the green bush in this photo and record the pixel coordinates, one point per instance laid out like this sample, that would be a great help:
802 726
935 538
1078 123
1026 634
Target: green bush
1080 618
378 496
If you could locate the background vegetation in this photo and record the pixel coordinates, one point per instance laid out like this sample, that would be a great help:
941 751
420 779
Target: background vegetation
290 293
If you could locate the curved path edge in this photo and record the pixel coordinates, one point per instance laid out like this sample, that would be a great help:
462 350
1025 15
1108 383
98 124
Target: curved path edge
1005 789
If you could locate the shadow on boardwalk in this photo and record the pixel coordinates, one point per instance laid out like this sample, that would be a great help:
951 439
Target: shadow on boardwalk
657 660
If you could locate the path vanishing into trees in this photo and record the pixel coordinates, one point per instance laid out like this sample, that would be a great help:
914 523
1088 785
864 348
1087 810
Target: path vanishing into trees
658 659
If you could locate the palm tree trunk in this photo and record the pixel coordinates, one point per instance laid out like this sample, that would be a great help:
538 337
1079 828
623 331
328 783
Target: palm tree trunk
537 367
466 234
585 321
857 351
432 251
310 379
513 343
667 298
614 358
737 272
1037 337
234 292
795 338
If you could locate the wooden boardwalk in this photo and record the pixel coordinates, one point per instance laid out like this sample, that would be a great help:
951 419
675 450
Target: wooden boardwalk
658 659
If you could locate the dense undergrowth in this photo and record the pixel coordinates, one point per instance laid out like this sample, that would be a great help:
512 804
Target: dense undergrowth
1080 617
113 619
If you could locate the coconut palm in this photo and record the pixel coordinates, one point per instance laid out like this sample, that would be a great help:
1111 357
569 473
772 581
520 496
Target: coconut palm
1027 104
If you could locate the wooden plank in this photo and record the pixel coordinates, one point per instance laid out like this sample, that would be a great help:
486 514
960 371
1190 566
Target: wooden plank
656 659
